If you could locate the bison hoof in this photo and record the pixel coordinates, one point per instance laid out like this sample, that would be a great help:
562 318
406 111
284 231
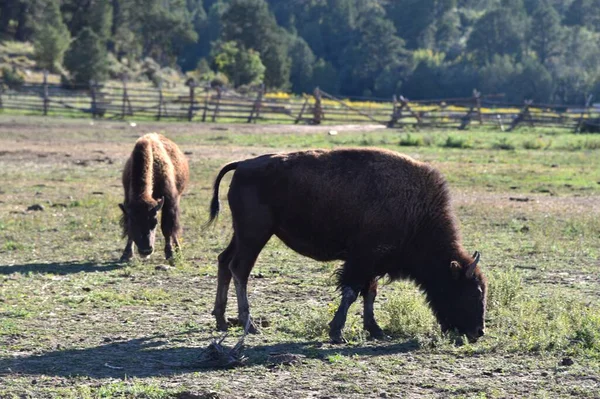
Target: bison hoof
337 338
376 333
126 258
222 325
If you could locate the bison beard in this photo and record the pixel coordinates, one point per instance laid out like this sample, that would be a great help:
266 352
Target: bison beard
380 212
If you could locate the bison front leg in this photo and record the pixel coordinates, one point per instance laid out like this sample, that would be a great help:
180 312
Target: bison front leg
349 295
128 251
369 293
170 227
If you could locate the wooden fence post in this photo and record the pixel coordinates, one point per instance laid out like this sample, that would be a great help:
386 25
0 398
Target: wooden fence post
46 99
255 112
206 98
93 97
524 114
318 109
583 112
1 92
299 117
126 108
219 93
396 112
192 86
404 103
160 101
477 99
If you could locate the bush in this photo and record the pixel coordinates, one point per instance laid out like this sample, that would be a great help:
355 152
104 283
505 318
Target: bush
411 141
11 78
503 144
457 142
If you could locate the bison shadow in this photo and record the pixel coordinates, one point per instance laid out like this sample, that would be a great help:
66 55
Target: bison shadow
60 268
155 356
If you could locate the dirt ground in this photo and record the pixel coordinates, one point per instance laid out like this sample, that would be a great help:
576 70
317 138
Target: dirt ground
77 324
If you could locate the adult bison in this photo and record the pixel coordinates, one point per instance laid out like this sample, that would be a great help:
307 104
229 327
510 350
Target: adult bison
382 213
154 177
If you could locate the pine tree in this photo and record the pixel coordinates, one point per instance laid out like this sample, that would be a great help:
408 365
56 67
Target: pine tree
546 33
51 38
86 58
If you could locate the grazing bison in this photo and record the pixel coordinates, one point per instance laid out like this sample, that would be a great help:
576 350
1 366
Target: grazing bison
382 213
154 177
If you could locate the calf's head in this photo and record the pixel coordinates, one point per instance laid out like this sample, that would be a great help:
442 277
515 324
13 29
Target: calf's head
140 219
462 306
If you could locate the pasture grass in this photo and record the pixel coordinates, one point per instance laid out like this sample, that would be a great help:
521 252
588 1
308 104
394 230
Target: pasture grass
76 324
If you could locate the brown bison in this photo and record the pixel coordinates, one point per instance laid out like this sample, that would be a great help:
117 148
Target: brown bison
382 213
154 177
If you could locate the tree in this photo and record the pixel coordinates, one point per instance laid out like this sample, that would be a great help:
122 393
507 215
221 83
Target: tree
95 14
303 61
253 26
546 34
242 66
86 58
533 82
51 38
498 32
424 23
376 48
165 29
584 13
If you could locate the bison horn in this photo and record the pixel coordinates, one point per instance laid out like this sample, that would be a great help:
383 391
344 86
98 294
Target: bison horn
159 205
471 268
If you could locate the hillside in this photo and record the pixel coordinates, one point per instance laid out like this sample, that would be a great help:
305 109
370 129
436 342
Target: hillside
545 50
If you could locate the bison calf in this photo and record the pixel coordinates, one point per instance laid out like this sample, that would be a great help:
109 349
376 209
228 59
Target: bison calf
382 213
154 177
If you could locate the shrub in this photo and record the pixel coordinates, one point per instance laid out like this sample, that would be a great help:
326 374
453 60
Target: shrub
411 141
457 142
503 144
11 78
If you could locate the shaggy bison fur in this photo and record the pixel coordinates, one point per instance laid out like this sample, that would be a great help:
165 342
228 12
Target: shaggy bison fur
382 213
154 178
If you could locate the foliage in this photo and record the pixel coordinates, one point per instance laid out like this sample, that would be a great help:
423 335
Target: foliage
51 39
11 78
242 66
417 48
86 59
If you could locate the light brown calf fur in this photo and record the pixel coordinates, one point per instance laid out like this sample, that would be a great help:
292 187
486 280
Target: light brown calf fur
154 178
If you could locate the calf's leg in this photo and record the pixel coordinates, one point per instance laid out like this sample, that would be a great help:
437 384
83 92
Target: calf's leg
223 280
128 251
169 225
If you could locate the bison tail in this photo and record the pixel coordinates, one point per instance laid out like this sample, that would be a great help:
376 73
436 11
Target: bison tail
214 203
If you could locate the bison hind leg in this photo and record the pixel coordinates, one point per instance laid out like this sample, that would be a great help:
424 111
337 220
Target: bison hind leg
369 292
223 281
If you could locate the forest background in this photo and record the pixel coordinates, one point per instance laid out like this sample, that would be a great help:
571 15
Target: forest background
545 50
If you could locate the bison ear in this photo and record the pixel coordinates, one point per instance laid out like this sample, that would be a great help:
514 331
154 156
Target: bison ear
470 271
122 206
455 269
159 205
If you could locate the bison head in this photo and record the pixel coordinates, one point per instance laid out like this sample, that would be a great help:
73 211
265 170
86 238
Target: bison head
462 306
140 220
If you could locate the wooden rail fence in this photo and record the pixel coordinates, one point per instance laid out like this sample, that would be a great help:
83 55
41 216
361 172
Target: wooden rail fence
203 104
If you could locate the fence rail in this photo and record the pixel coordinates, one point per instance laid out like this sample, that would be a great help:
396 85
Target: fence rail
204 104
